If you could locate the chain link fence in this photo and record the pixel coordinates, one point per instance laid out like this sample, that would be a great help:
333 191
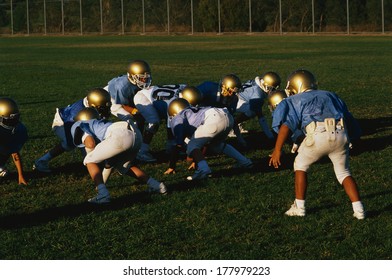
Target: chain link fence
82 17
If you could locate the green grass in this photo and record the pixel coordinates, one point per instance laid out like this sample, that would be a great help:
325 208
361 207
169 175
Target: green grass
234 215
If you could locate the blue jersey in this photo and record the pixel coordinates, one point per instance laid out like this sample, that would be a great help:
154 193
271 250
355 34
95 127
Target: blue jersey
299 110
68 113
186 122
122 90
253 95
211 97
94 128
12 141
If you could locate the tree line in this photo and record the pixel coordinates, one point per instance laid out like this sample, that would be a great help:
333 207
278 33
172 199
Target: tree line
108 16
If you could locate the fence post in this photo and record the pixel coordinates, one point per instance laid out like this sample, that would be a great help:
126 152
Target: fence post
81 17
250 16
280 17
192 17
45 32
382 16
27 17
348 17
313 16
168 17
122 17
62 16
219 20
144 22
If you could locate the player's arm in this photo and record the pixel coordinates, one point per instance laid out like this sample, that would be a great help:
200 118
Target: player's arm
130 109
173 159
178 133
19 167
283 135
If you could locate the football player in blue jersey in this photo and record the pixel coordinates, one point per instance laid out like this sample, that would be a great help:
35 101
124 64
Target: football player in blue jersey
123 89
328 126
274 98
250 102
13 135
115 144
223 94
63 120
203 126
152 104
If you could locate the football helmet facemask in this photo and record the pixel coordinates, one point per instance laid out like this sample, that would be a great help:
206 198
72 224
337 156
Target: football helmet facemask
176 106
300 81
99 99
269 82
9 113
139 74
192 94
230 85
86 114
275 97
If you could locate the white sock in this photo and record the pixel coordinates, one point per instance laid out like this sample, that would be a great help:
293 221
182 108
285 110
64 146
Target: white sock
357 206
300 203
106 173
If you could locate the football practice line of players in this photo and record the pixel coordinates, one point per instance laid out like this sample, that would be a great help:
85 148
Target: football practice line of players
198 118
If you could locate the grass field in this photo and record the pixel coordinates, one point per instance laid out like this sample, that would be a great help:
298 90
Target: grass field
234 215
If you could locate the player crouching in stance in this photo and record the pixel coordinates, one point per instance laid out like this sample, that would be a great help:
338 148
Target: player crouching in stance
64 118
116 144
327 124
13 135
202 126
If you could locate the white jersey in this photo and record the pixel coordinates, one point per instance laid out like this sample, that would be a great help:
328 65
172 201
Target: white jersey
152 102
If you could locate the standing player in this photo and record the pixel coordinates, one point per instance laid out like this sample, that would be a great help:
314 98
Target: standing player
13 135
202 126
63 120
116 144
328 126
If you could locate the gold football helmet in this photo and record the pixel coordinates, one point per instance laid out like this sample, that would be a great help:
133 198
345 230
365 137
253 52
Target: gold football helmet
269 81
139 74
230 85
9 113
100 99
192 94
300 81
176 106
275 97
86 114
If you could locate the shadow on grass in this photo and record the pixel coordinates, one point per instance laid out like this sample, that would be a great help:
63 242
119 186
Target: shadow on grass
70 211
77 169
257 140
